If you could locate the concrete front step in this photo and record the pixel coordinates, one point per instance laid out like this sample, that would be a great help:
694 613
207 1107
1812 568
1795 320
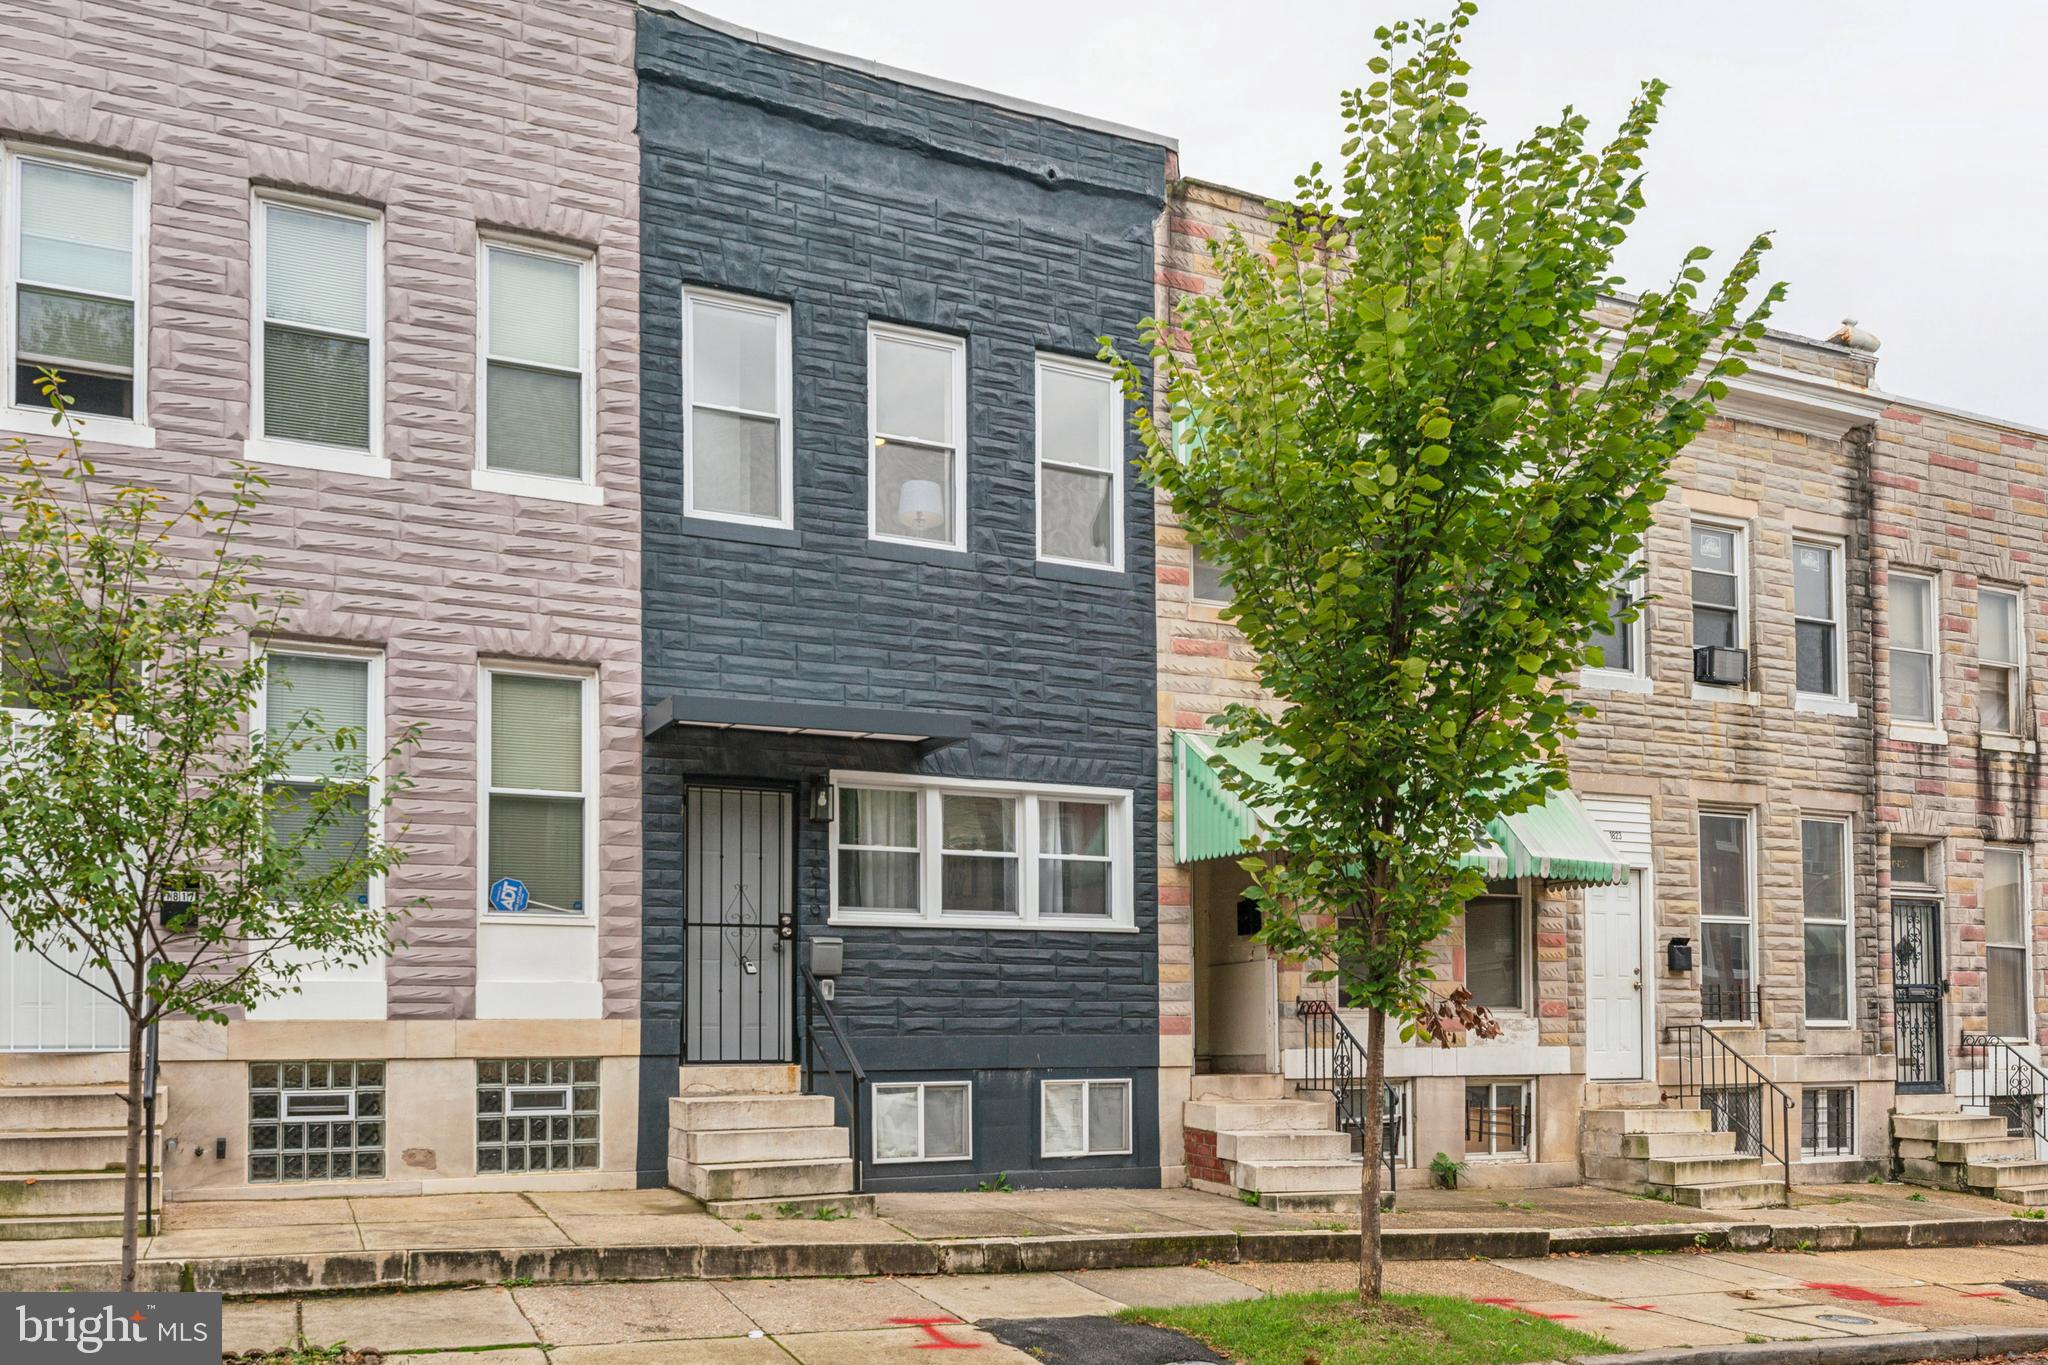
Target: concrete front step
1954 1127
1997 1175
63 1068
729 1146
1974 1150
708 1113
758 1078
63 1195
1296 1177
779 1180
1707 1143
821 1208
1232 1116
2027 1196
37 1228
1730 1194
1245 1086
1647 1120
1702 1170
62 1149
29 1107
1623 1095
1286 1145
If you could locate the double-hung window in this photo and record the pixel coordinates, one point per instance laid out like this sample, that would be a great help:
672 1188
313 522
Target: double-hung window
538 774
536 364
907 850
75 264
319 713
1620 640
1727 918
1493 951
318 306
2008 996
1825 895
1717 587
2001 667
1084 1118
917 476
924 1121
1915 675
1817 618
1080 465
1208 581
736 434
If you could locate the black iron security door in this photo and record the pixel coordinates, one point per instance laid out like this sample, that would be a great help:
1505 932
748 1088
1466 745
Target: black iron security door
1918 983
739 925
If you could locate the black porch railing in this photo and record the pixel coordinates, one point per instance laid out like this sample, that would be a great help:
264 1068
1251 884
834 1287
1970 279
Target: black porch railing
1334 1063
2004 1082
1739 1098
844 1074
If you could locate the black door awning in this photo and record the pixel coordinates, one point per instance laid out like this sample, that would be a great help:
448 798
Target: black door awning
928 730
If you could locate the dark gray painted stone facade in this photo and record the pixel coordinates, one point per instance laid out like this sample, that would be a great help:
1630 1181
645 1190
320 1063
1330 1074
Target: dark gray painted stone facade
855 198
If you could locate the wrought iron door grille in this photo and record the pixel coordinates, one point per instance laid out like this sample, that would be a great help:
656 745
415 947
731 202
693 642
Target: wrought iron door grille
739 925
1917 985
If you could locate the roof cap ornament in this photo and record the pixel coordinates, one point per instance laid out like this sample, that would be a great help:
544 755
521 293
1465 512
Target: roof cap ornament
1855 337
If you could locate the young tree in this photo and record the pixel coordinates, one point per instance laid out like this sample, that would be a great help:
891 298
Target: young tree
150 845
1424 438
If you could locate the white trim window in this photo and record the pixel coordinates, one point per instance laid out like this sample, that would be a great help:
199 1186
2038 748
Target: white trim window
1720 589
917 405
2008 993
1084 1118
318 357
1913 655
921 1121
76 246
1727 918
534 364
1818 637
1621 642
1080 465
2001 661
1496 957
1499 1123
738 450
1827 1122
1208 581
1827 897
907 850
539 760
337 694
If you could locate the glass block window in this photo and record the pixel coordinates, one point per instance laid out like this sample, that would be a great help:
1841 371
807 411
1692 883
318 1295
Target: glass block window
316 1121
537 1114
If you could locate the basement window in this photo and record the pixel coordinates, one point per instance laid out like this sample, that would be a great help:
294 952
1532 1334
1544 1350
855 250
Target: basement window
316 1121
536 1114
923 1122
1085 1118
1497 1120
1827 1122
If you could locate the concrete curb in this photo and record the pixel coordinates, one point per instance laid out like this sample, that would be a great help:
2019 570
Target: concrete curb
347 1271
1959 1343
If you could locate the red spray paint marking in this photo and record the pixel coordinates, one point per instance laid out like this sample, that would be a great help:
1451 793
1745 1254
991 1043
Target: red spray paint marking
1636 1307
1984 1294
1856 1293
1515 1306
939 1341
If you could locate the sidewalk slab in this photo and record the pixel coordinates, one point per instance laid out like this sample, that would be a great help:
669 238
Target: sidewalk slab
722 1351
592 1314
779 1306
1016 1296
896 1346
414 1322
1165 1287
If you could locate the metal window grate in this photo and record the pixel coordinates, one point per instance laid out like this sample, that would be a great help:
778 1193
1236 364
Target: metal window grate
316 1121
537 1114
1827 1122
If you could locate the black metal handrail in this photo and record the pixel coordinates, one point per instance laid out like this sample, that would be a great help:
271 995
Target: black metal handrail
850 1089
2006 1082
1334 1062
1739 1098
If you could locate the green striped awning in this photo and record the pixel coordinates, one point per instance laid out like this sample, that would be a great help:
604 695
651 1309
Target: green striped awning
1556 841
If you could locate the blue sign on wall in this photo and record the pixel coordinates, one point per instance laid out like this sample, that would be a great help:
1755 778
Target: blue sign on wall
508 895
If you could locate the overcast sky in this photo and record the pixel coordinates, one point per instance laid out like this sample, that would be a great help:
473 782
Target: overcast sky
1896 147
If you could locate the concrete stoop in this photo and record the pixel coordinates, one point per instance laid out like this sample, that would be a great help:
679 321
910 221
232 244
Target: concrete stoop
63 1140
1957 1151
1672 1154
743 1140
1255 1137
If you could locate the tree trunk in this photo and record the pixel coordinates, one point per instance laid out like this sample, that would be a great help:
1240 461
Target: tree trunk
1370 1263
131 1188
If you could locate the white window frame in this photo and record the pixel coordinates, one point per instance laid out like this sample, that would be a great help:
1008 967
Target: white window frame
486 790
18 417
1634 578
1847 921
1404 1092
1527 1151
583 488
1826 1153
1923 890
373 724
1088 1085
1195 556
2017 700
920 1087
1091 370
1837 583
1913 725
785 391
955 348
1740 532
1122 842
2024 946
1749 867
309 454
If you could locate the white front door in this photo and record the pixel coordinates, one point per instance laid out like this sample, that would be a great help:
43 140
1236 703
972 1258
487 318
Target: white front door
1614 981
43 1009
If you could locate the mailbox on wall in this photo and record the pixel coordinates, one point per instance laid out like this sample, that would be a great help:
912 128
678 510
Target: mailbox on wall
1678 955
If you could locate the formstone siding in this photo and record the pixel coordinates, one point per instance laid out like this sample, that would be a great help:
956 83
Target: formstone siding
449 117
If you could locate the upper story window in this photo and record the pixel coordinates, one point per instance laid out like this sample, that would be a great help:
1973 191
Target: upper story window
75 229
917 400
1208 581
1826 900
319 308
1621 641
316 696
1080 465
1717 588
536 362
1915 679
737 450
1493 951
908 850
2001 662
1817 617
538 774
